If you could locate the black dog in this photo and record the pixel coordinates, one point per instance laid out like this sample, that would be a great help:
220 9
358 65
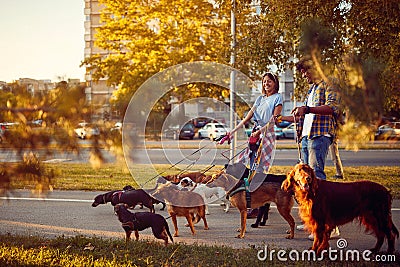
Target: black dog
262 216
130 196
142 220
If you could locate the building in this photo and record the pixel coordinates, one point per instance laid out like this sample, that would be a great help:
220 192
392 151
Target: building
35 87
97 93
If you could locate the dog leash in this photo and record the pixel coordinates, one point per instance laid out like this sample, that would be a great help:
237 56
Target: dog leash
188 167
297 140
159 174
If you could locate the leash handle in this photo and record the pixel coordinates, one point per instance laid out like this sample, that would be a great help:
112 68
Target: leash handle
223 139
297 139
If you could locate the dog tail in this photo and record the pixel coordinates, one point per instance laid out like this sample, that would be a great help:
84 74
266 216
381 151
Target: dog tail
168 232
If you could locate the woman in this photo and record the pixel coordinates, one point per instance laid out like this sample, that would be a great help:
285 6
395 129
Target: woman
265 110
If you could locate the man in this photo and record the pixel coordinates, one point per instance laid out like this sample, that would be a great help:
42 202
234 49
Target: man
317 124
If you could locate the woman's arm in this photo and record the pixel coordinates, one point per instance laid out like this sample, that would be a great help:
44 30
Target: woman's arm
244 121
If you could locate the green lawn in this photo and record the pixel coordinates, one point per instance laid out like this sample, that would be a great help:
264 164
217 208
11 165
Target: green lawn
115 176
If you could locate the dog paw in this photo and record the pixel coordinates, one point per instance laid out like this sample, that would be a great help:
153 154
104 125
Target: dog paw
207 213
176 234
206 228
289 236
240 236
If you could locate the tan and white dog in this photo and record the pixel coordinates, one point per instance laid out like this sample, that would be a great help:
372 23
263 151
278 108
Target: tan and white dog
209 194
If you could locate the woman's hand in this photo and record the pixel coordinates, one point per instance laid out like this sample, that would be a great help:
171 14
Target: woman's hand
256 133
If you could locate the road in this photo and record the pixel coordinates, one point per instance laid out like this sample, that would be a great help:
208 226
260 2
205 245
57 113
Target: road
69 213
211 155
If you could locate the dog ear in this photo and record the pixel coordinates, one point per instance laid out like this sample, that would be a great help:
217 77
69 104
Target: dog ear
116 209
287 184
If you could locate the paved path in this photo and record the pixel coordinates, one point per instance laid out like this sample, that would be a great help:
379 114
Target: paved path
69 213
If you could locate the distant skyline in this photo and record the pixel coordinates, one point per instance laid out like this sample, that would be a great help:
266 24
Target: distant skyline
41 39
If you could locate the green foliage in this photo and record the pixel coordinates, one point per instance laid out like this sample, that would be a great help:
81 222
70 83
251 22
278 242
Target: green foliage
58 112
145 38
349 39
355 41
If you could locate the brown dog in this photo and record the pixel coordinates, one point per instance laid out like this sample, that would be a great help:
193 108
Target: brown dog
325 205
182 204
267 192
197 177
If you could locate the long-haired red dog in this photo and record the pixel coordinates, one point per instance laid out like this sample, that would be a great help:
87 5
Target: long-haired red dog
325 205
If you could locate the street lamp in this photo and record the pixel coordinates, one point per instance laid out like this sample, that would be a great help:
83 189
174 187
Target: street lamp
232 77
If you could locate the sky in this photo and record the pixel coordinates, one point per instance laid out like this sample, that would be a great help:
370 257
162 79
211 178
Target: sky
41 39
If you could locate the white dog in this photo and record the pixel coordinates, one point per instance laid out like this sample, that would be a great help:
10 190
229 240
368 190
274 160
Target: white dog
206 192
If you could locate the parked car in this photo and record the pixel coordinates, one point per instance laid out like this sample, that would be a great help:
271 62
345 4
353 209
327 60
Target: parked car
388 131
175 132
117 127
278 132
85 130
213 131
289 132
200 122
284 124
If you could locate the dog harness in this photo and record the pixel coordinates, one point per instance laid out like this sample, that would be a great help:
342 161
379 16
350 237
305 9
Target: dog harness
131 225
128 226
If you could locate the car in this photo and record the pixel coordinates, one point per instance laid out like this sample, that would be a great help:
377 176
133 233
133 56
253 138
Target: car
284 124
85 130
175 132
388 131
213 131
289 132
200 122
117 127
278 132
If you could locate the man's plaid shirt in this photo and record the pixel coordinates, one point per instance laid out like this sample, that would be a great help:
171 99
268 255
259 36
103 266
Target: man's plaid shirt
322 124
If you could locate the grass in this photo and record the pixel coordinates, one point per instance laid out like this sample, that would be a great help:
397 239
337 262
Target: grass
93 251
115 176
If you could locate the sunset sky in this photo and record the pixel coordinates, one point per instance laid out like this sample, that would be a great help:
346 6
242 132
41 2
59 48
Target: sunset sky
41 39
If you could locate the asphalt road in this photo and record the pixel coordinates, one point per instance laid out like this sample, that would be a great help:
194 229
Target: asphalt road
70 213
208 156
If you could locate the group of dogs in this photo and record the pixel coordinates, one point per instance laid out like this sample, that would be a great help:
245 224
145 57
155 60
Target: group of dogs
323 205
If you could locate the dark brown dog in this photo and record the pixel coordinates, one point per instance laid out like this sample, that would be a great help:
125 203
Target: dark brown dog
132 197
142 220
325 205
267 192
182 204
103 198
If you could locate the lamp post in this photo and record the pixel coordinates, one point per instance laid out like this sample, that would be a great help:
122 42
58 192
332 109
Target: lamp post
232 78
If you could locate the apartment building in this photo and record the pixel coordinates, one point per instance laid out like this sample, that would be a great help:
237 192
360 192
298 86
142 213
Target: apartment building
36 87
98 93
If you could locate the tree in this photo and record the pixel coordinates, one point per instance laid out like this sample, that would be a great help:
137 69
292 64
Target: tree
356 41
143 38
58 110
